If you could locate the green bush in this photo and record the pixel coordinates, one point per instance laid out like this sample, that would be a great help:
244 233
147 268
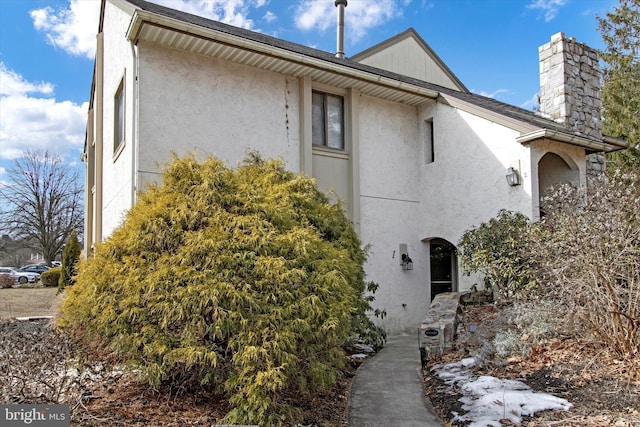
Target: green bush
51 277
498 250
70 257
245 280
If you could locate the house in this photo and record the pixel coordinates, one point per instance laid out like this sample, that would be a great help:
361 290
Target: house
417 158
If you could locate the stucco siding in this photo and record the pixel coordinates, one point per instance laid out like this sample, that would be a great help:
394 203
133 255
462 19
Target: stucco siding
390 209
400 192
118 65
466 184
388 145
190 102
385 224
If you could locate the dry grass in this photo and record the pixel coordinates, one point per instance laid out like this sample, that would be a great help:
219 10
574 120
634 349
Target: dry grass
27 302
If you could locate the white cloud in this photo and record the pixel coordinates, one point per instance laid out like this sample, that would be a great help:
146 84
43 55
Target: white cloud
33 119
233 12
493 94
269 17
15 84
362 15
532 103
550 8
71 29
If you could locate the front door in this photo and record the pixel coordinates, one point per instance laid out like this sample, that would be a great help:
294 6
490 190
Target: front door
443 268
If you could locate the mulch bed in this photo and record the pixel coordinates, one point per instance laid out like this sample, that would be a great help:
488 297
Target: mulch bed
34 368
598 385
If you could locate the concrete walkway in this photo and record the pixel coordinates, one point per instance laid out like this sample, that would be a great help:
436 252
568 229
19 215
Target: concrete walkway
387 389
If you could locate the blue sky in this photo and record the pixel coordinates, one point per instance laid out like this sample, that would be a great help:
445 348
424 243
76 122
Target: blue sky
47 47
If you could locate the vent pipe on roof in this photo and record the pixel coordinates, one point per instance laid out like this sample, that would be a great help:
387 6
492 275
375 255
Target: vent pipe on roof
340 4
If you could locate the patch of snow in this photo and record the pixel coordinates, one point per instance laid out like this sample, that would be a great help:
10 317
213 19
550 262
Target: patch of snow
364 348
487 400
359 356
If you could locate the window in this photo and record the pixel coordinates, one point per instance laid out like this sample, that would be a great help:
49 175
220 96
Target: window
428 141
328 120
118 131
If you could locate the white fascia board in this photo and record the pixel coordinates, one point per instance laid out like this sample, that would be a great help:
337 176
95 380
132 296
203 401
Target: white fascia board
492 116
140 17
608 144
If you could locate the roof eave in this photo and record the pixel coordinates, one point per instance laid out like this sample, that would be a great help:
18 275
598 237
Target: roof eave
502 119
607 144
142 17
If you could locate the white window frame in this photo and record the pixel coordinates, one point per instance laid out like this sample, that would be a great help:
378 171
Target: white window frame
325 143
119 118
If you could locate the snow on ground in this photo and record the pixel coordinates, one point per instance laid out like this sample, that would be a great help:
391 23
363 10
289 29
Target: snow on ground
487 400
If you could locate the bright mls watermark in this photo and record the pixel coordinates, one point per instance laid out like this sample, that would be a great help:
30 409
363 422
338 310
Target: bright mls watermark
35 415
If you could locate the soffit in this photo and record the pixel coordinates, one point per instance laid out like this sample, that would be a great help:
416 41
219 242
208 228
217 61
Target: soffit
246 52
210 38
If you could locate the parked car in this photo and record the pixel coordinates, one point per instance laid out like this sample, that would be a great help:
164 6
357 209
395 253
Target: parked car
39 268
20 276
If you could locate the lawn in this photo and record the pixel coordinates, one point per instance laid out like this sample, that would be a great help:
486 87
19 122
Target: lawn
27 302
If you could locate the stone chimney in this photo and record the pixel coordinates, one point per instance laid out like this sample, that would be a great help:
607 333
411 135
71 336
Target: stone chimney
570 85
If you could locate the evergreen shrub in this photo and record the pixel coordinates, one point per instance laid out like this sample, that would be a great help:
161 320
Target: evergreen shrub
70 257
247 281
51 277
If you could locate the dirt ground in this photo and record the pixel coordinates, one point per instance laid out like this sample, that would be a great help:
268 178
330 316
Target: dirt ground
34 368
604 391
598 385
27 302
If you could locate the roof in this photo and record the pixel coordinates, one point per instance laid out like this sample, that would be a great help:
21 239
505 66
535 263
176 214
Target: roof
185 31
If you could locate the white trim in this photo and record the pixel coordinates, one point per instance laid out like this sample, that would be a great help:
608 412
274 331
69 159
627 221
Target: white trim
570 139
121 90
140 17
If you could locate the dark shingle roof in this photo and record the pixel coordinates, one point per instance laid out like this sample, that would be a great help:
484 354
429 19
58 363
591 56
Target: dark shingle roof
490 104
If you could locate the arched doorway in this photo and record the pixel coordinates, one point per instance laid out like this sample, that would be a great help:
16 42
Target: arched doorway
555 170
444 267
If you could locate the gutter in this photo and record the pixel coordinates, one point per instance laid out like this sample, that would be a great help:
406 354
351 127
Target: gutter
501 119
608 144
141 17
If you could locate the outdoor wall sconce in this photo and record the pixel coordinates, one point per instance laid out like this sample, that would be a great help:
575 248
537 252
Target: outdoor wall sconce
513 177
407 263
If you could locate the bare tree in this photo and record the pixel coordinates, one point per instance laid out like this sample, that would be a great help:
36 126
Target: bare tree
43 201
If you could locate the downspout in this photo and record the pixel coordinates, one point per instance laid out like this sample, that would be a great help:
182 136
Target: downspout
99 108
134 123
340 4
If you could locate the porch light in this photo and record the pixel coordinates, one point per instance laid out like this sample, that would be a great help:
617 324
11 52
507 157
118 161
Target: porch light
513 178
407 263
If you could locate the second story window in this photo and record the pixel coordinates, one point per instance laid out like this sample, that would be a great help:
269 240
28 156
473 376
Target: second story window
429 153
328 120
118 131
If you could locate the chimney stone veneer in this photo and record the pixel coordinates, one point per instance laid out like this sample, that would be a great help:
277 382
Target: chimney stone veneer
570 90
